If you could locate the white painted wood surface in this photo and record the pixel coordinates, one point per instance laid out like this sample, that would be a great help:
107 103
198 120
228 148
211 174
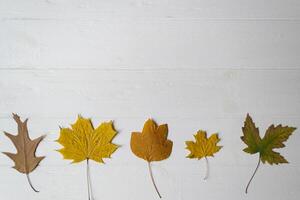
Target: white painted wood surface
192 64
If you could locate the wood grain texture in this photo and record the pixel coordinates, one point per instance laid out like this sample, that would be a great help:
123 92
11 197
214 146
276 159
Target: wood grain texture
149 9
133 44
192 64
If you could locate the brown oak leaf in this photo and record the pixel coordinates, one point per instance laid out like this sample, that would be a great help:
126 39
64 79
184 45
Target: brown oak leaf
25 159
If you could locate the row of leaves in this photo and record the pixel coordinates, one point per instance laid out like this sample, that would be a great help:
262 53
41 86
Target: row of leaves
83 142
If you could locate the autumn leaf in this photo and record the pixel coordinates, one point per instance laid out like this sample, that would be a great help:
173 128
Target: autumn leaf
151 145
274 138
25 159
203 147
83 142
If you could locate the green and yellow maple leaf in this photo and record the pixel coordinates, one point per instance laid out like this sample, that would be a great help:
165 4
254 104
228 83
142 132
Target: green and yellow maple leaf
274 137
203 147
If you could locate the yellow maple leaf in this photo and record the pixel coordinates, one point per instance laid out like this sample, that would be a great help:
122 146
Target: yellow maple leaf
203 147
83 142
151 144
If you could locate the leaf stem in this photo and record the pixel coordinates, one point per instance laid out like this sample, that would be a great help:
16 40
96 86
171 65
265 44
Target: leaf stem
151 175
29 181
89 184
246 191
207 168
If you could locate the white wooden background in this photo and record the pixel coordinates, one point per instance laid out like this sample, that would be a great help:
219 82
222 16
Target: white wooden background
194 64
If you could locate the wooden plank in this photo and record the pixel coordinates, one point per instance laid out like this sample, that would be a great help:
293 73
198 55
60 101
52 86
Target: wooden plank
61 93
149 10
133 182
149 45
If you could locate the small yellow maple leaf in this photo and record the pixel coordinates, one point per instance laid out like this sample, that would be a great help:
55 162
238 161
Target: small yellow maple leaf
203 147
83 142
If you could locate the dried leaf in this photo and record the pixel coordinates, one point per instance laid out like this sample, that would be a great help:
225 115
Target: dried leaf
274 138
83 142
25 159
203 147
151 144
